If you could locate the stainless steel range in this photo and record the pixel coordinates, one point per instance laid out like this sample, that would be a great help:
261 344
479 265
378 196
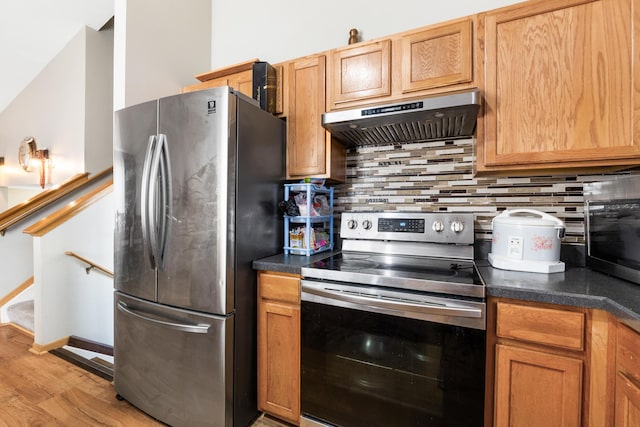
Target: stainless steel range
393 327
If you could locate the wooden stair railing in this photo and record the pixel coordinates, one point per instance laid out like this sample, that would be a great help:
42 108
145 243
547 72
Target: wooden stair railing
43 199
91 264
17 291
57 218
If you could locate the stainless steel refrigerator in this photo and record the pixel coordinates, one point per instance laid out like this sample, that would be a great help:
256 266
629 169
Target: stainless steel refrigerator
197 179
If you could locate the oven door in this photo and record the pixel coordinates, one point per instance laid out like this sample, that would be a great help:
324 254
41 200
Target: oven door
378 357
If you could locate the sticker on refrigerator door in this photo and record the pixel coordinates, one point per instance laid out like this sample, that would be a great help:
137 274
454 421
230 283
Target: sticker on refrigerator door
514 247
211 107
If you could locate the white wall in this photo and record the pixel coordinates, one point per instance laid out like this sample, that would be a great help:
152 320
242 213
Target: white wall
160 45
16 259
50 109
287 29
98 132
67 301
53 109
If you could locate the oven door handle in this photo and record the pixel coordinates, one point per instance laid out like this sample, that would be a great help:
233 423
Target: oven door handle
323 293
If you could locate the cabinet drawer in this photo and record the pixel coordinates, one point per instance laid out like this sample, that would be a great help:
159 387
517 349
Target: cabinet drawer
558 328
628 354
279 287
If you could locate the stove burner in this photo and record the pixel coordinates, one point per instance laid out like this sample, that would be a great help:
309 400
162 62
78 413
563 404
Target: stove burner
356 264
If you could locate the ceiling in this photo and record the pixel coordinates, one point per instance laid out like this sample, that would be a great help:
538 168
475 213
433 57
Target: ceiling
32 32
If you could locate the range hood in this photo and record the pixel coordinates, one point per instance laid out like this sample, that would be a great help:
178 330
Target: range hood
447 116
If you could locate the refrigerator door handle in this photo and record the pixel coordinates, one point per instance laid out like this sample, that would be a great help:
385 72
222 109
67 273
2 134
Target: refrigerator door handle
165 214
144 200
183 327
155 201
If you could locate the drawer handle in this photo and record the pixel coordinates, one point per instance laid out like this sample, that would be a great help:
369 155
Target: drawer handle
182 327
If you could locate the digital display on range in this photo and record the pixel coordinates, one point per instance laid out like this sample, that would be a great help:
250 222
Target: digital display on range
393 225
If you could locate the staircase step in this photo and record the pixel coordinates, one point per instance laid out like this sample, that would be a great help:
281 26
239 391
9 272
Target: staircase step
101 369
21 313
87 344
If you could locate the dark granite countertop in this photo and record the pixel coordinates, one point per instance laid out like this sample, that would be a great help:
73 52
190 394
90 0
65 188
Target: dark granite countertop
282 263
576 286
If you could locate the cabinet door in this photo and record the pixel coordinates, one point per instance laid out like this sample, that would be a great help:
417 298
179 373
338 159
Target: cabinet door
279 360
559 86
627 411
359 72
242 82
306 138
535 388
627 401
217 82
437 57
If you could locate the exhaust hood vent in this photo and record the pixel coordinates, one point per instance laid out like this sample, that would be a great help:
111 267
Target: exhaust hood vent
442 117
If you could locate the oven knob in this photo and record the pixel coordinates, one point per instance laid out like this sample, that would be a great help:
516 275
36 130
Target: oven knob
438 226
457 226
352 224
366 224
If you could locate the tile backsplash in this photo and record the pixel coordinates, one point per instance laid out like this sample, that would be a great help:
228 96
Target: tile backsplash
437 176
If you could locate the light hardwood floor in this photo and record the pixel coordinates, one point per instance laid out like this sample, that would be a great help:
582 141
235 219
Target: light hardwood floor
48 391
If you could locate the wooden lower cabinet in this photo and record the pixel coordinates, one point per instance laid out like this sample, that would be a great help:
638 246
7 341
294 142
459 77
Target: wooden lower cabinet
279 345
534 388
627 400
547 365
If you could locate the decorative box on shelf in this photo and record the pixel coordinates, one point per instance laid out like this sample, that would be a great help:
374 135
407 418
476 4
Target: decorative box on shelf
311 231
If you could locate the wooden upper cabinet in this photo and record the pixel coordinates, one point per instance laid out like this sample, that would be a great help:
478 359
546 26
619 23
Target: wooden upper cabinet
420 62
561 86
281 90
436 57
242 82
359 72
311 152
238 76
306 138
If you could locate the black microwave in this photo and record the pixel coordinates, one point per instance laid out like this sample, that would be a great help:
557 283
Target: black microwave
612 226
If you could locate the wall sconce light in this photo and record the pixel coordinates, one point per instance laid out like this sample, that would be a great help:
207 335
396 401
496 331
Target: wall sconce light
26 152
29 152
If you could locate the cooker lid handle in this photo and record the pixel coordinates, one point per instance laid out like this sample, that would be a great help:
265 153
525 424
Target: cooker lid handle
542 215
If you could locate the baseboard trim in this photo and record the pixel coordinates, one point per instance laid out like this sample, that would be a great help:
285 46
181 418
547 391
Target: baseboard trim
44 348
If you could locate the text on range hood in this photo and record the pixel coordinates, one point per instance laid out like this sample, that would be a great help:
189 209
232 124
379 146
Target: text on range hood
440 117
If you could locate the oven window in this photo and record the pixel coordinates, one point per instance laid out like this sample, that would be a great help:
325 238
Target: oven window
614 232
369 369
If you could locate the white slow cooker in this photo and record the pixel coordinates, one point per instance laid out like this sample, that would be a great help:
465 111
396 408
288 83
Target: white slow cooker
526 240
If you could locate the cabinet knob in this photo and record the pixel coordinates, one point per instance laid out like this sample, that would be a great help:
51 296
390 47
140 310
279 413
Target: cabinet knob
353 36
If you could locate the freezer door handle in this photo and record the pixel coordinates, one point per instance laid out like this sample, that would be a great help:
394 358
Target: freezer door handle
144 200
183 327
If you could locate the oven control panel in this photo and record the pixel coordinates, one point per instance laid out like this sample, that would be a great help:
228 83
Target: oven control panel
435 227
